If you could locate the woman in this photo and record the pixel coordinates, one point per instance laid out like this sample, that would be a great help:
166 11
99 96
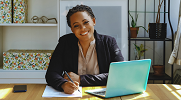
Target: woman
84 54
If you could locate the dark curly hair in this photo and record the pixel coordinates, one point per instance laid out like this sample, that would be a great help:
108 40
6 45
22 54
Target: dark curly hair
79 8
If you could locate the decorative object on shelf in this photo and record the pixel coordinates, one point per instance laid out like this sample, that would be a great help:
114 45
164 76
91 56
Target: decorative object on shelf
139 51
158 13
20 11
158 30
162 51
159 70
26 59
5 11
43 19
13 11
35 19
134 29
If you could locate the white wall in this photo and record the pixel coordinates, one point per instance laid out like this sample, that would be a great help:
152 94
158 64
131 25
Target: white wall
41 8
29 37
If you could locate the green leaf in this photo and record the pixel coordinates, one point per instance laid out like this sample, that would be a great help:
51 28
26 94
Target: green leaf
141 47
143 28
136 18
133 23
139 51
137 47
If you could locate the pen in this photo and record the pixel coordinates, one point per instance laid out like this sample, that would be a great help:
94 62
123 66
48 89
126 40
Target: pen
70 79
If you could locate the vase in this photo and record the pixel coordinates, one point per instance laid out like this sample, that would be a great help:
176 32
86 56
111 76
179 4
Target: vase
157 30
134 31
159 70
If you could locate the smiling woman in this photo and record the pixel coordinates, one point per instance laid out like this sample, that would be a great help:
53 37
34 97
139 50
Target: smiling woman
84 54
111 19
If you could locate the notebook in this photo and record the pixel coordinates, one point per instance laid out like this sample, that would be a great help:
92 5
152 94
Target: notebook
125 78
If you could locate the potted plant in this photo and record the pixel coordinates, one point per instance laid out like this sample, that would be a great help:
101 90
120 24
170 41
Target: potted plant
139 51
158 69
157 30
134 28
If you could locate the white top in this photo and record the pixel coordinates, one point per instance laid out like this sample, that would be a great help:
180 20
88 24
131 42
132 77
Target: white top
88 64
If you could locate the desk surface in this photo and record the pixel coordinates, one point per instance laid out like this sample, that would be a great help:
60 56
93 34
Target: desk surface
35 91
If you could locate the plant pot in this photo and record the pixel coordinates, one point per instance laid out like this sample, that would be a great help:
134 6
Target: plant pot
157 30
159 70
134 31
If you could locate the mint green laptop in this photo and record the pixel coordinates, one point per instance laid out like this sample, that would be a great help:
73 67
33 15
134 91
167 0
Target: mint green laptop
125 78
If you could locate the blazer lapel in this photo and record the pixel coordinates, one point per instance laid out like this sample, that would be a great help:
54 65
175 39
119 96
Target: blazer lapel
101 57
75 52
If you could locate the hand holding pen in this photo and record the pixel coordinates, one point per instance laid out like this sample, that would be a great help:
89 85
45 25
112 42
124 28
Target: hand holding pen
70 79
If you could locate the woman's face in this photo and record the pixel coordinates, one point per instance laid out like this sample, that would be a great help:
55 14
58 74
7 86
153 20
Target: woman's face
82 25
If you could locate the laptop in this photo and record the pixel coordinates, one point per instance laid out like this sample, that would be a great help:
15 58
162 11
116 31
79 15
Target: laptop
125 78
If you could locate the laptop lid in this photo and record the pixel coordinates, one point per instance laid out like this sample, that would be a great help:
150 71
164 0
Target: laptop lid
128 77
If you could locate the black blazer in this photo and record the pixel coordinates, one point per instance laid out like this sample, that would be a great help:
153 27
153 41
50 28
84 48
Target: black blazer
65 57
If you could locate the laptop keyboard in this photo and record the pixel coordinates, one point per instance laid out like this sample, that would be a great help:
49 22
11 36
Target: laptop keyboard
100 93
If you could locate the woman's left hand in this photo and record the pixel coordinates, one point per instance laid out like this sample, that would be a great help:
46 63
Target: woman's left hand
73 76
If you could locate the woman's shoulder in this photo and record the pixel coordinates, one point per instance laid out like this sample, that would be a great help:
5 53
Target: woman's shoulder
67 37
101 36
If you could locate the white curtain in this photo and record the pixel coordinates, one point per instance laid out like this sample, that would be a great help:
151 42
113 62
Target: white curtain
175 56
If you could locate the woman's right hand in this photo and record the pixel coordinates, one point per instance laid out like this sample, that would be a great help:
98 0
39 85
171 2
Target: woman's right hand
70 87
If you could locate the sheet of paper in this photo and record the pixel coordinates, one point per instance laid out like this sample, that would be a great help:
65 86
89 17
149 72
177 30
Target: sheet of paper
51 92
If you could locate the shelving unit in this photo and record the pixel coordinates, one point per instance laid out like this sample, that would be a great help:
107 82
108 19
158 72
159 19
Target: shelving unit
145 38
45 36
30 36
30 24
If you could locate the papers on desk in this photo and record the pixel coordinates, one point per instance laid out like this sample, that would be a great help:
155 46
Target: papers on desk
51 92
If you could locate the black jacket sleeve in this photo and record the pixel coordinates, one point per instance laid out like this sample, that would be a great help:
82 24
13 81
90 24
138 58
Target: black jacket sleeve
65 57
54 73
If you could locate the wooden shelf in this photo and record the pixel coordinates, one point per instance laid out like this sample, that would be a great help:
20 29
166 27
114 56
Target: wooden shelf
30 36
29 24
148 39
145 12
22 76
153 77
2 70
158 46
